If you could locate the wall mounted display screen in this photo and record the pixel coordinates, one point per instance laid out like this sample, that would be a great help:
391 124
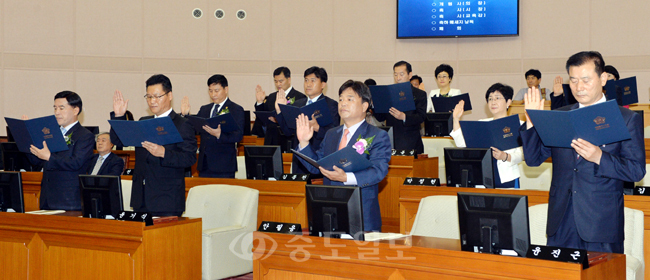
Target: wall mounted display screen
429 18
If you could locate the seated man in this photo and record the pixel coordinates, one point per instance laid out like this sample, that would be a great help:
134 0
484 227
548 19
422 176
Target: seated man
104 162
533 79
354 100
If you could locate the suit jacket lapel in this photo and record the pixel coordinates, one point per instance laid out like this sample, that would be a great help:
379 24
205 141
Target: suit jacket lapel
361 131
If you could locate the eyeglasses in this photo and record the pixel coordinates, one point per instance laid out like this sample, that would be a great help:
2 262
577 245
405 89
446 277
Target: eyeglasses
443 77
149 97
491 99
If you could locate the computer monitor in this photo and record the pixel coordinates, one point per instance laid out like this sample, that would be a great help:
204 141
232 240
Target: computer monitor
263 162
469 167
493 223
101 196
335 211
389 130
15 160
11 192
438 124
93 129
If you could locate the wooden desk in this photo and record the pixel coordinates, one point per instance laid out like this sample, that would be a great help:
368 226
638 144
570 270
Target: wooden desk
410 197
65 247
249 140
408 258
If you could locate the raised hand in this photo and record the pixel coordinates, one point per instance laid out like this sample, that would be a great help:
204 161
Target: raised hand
119 104
532 101
557 86
280 98
259 94
24 118
457 113
304 132
185 106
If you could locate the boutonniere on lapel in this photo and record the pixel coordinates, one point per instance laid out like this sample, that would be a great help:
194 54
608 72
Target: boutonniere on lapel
68 139
291 100
363 145
224 111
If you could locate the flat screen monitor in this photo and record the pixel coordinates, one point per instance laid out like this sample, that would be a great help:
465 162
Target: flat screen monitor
93 129
11 192
493 223
438 124
335 211
15 160
469 167
101 196
389 130
263 162
431 19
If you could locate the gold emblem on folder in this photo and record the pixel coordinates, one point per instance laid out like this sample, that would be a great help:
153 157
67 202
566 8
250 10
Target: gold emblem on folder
627 88
599 120
46 130
160 129
506 130
344 162
401 93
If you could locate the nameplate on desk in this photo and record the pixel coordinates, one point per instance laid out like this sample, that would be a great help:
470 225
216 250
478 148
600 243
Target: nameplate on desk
294 177
143 217
641 190
558 254
409 153
413 181
128 171
275 227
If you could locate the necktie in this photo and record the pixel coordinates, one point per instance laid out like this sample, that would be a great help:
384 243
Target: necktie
215 112
344 139
63 131
98 165
310 102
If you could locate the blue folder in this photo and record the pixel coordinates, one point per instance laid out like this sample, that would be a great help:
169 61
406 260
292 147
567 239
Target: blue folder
226 121
502 133
161 131
447 104
599 124
347 159
35 131
624 91
263 116
399 96
322 113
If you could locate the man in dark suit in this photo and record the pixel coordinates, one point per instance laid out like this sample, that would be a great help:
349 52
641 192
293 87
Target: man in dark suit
104 162
406 125
315 83
585 205
282 80
372 142
159 176
60 184
218 151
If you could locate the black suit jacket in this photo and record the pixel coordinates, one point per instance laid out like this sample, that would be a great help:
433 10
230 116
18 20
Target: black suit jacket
272 134
112 165
60 184
595 191
159 183
220 155
406 135
297 166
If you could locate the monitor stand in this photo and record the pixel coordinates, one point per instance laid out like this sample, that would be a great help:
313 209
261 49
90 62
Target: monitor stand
464 178
487 240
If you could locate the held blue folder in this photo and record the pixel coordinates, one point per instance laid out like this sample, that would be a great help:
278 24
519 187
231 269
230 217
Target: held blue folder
624 91
35 131
447 104
319 109
161 131
502 133
226 121
263 116
399 96
347 159
599 124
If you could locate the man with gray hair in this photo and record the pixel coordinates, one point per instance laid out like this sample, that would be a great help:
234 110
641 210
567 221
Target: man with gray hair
104 162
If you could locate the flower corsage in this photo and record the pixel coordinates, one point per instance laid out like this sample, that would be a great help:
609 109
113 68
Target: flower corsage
362 146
